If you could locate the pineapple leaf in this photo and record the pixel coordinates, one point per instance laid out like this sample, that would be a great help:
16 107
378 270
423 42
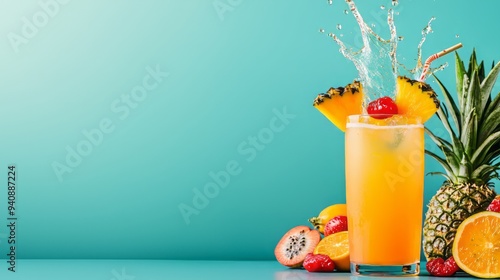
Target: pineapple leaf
463 179
464 172
469 133
445 112
453 161
491 124
463 95
459 73
491 117
480 71
442 174
442 116
472 63
447 149
440 142
457 146
483 150
473 94
450 104
444 164
487 86
493 105
484 173
492 156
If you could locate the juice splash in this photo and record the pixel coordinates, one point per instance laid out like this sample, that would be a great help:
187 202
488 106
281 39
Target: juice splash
375 53
376 62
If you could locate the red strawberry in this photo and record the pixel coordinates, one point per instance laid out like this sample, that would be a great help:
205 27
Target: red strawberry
439 267
382 108
336 224
494 205
318 263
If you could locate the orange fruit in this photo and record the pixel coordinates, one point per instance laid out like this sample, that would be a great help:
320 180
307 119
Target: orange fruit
339 103
476 248
415 99
336 246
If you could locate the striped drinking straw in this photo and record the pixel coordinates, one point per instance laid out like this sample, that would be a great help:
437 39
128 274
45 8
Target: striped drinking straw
433 57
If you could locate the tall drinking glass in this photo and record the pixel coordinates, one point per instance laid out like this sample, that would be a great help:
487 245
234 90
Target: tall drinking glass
384 178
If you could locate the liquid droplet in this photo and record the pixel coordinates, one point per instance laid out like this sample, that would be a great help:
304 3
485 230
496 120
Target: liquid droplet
456 36
427 30
401 38
321 30
395 2
346 12
382 7
339 26
331 35
330 2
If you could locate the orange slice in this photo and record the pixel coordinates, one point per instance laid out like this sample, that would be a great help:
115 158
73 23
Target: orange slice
415 99
336 246
476 248
338 103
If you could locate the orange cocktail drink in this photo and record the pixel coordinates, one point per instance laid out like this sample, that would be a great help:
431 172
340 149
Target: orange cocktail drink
384 179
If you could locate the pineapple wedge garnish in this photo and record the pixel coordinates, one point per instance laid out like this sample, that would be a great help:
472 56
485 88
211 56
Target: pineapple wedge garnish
339 103
414 99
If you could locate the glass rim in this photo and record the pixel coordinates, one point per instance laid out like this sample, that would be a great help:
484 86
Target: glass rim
383 120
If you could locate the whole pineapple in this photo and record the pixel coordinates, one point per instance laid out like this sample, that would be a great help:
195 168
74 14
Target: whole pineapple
470 159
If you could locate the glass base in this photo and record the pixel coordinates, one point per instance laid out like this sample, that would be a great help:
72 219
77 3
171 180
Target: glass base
385 270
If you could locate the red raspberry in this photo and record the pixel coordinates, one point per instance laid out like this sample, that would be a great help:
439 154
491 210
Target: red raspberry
494 205
318 263
439 267
336 224
382 108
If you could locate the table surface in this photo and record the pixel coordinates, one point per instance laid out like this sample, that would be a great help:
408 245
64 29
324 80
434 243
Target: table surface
168 269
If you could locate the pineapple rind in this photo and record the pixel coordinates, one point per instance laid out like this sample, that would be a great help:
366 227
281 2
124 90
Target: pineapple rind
447 209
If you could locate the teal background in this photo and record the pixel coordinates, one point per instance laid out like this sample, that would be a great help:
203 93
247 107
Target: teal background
229 73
